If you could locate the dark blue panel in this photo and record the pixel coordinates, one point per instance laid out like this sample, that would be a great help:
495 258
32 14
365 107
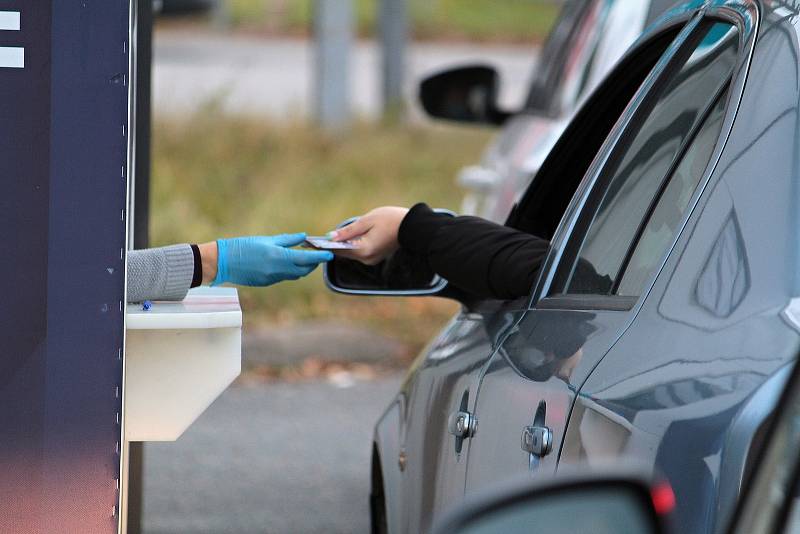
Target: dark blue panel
63 151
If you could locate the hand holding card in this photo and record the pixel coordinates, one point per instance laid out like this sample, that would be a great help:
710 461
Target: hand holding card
375 234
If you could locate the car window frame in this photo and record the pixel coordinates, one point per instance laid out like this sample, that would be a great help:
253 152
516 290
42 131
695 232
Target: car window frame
548 181
745 18
586 220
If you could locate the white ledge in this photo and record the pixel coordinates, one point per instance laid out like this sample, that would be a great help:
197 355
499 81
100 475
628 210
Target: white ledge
203 307
179 357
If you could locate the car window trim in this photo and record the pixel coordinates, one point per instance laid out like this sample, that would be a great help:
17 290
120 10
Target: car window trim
569 219
747 21
746 17
587 302
548 178
617 153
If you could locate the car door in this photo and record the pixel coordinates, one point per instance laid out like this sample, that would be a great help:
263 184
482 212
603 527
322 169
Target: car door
439 385
443 382
527 391
687 387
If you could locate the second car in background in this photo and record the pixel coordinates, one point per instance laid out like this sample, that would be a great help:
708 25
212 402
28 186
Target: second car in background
587 40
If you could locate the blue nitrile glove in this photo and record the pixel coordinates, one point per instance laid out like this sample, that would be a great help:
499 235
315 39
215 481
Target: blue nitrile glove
263 261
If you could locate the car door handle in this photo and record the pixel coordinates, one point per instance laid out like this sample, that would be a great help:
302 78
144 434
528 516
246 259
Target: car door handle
462 424
537 440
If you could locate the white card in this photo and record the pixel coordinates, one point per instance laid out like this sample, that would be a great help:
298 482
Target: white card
326 244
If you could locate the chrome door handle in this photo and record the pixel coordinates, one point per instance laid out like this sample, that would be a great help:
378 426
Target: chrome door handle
537 440
462 425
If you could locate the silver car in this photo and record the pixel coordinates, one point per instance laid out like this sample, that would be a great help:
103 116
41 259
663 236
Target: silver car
588 39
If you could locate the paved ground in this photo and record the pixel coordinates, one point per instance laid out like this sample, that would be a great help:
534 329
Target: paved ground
329 341
273 77
276 458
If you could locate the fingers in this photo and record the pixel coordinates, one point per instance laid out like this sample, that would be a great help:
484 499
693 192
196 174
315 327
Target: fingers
289 240
356 228
309 257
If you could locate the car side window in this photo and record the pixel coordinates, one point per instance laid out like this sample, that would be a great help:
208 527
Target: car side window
674 138
666 217
547 198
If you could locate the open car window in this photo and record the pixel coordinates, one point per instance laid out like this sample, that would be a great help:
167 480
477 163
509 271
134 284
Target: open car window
545 202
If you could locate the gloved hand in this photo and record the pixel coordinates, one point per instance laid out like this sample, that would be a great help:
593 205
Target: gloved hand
263 261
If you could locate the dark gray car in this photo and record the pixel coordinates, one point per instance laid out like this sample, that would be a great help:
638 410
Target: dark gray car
678 181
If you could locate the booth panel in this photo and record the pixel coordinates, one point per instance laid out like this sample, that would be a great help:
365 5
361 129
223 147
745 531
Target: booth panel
63 158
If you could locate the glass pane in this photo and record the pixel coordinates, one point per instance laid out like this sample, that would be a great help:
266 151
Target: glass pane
663 223
637 177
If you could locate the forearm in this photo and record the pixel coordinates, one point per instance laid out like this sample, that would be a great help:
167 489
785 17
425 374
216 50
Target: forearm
164 273
168 273
478 256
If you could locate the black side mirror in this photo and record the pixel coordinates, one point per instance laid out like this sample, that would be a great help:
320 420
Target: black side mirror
466 94
401 275
614 505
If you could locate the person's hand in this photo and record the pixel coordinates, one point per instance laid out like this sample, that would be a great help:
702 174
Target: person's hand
375 234
263 261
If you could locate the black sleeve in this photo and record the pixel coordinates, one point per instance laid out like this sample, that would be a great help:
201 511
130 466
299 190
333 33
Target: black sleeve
480 257
197 277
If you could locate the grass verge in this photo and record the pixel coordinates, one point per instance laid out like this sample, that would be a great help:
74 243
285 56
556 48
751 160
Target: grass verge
474 20
221 176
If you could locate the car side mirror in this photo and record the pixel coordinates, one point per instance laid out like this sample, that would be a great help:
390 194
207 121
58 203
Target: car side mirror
403 274
465 94
596 505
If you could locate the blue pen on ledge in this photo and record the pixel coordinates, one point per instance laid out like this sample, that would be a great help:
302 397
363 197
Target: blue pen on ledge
146 305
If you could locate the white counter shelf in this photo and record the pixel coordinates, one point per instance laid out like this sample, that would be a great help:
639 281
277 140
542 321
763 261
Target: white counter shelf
180 356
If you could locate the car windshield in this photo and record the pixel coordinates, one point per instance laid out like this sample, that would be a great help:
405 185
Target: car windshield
552 60
565 69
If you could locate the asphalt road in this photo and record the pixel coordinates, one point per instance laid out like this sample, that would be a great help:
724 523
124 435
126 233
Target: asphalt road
274 77
270 458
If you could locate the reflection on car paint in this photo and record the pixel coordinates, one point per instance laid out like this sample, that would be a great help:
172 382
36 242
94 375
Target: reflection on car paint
725 279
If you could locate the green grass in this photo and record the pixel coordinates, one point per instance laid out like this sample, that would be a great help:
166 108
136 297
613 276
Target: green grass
482 20
220 176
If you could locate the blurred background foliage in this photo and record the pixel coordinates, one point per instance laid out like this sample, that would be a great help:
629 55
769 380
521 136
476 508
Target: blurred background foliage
474 20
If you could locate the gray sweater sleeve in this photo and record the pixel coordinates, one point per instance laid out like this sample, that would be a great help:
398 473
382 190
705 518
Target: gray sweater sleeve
160 273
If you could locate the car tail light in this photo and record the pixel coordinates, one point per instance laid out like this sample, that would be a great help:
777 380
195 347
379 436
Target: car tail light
663 498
